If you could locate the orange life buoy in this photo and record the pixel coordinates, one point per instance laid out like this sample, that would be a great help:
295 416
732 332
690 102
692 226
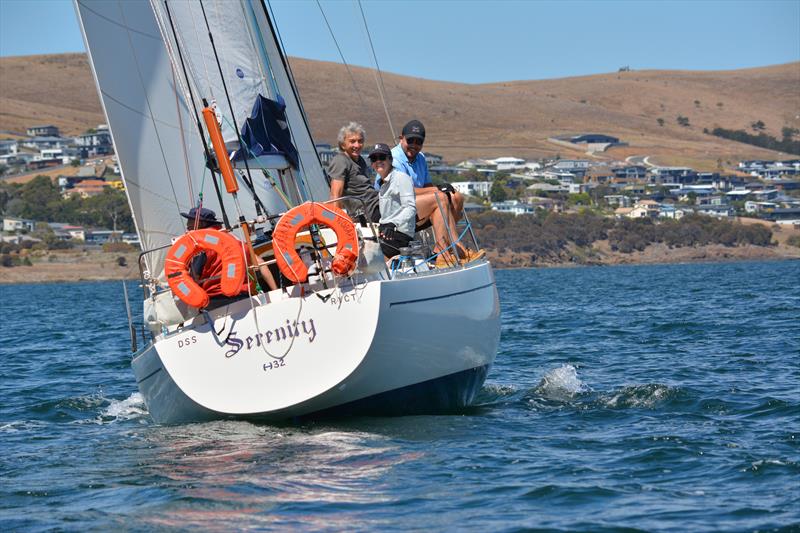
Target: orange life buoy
293 221
229 252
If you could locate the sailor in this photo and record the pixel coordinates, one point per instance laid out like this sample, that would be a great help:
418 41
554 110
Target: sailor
409 159
442 208
397 202
350 174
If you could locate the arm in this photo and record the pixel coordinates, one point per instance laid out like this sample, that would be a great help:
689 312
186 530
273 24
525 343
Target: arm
337 191
336 170
408 200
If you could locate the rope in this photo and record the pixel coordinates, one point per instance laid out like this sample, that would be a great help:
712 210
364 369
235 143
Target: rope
378 74
341 55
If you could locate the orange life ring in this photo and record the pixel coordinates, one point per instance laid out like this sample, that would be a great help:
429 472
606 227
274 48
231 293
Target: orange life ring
229 252
296 219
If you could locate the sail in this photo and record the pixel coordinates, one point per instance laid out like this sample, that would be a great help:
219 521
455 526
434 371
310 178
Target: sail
133 51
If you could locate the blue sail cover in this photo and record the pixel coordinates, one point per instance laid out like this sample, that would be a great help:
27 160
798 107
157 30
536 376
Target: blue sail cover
266 132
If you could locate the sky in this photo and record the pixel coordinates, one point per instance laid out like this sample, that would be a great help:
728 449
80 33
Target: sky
489 41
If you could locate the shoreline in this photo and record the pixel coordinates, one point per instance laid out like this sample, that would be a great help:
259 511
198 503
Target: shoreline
76 266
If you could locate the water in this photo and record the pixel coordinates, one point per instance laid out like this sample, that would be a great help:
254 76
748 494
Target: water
661 398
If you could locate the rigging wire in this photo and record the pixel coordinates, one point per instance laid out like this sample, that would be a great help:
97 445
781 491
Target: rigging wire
278 40
378 74
341 55
197 119
260 209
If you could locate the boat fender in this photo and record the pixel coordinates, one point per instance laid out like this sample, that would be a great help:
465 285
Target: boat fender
179 258
300 217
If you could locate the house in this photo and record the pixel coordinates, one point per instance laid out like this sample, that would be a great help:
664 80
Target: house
471 208
578 167
790 215
619 200
9 147
670 211
636 172
94 143
473 188
68 231
38 143
759 207
719 211
547 187
506 164
512 206
681 175
86 188
12 224
102 236
43 131
594 138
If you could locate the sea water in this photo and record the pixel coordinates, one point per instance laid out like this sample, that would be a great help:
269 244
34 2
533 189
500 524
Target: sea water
659 398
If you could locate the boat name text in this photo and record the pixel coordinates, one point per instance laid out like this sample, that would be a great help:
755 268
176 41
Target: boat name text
291 331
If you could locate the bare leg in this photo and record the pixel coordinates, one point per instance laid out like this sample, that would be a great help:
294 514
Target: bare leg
428 208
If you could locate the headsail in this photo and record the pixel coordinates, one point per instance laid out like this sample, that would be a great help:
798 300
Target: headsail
133 51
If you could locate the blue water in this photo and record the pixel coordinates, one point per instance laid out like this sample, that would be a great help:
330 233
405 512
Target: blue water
660 398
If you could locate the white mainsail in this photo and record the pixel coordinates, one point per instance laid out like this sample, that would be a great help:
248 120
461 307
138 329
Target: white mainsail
133 53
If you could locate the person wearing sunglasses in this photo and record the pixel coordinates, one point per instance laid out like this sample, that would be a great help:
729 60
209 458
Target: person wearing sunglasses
397 202
350 175
408 158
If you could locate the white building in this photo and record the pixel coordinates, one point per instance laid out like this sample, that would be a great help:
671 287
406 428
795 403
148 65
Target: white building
11 224
473 188
513 206
505 164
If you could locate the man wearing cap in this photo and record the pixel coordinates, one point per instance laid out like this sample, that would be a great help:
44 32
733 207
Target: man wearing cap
206 266
349 173
397 202
408 158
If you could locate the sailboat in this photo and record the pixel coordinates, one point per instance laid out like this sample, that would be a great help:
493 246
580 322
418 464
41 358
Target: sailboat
192 88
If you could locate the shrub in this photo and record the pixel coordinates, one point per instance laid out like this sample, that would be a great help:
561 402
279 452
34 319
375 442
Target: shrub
118 247
121 261
6 260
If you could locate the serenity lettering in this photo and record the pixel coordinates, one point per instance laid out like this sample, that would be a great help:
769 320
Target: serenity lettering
281 333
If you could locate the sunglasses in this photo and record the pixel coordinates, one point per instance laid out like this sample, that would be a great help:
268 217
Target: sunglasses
377 157
415 141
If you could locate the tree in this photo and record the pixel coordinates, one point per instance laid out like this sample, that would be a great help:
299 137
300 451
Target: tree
683 121
498 192
789 133
41 199
758 125
660 122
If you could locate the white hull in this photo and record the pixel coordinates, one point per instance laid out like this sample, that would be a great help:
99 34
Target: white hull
409 345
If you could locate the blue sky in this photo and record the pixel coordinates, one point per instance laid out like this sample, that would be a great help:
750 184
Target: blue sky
486 41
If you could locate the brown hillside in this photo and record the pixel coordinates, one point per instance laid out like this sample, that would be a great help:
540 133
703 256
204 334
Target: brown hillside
489 120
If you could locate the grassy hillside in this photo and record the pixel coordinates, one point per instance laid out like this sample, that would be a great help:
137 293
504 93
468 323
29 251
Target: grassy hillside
487 120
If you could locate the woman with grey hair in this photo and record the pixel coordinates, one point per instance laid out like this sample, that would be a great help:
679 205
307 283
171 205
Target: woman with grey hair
349 173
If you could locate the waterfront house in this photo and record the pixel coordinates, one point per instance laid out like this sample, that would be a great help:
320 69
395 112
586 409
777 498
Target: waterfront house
512 206
13 224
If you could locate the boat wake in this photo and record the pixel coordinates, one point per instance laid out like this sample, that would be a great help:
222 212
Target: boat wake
561 384
118 410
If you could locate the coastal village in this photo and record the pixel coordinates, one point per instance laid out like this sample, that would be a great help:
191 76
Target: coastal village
85 165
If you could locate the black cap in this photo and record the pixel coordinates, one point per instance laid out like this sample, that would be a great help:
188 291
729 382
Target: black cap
380 148
414 129
205 215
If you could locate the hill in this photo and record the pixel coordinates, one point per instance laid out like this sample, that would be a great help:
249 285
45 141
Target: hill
485 120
